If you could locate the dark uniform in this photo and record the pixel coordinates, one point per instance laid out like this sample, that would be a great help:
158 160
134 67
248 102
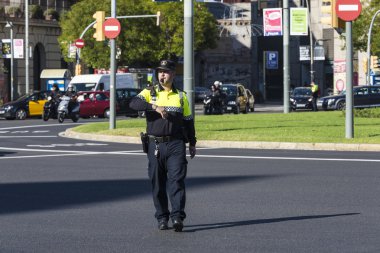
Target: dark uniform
167 149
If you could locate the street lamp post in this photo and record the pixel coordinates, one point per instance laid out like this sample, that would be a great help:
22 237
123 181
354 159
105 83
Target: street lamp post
10 26
369 46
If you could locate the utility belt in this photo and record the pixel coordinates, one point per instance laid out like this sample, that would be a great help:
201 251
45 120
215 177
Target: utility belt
160 139
146 139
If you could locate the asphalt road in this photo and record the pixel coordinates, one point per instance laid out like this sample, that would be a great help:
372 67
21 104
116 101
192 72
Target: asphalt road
65 195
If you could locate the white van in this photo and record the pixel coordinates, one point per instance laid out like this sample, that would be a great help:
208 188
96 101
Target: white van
92 81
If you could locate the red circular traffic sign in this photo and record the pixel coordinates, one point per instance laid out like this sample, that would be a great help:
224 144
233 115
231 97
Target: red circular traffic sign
111 28
348 10
79 43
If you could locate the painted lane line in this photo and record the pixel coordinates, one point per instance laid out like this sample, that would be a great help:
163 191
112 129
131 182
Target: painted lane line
66 145
292 158
49 125
35 136
134 152
78 154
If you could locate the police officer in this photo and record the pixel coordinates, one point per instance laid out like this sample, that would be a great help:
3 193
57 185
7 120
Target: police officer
169 125
315 94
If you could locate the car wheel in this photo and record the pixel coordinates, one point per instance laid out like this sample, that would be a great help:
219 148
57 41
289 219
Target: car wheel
106 113
341 105
237 110
21 114
246 110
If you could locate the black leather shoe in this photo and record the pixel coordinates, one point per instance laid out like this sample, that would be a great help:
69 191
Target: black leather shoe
177 224
163 224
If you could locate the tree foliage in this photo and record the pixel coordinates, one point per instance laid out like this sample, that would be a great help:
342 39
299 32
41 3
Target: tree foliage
141 42
360 27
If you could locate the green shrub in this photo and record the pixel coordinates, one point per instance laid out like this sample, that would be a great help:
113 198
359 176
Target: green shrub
367 113
51 14
36 12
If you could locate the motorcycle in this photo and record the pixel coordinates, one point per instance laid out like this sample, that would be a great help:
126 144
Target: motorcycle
212 105
63 109
50 109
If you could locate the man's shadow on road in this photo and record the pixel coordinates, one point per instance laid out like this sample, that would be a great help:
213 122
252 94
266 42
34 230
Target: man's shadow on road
200 227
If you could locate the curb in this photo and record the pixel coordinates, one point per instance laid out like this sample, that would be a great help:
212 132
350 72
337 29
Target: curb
69 133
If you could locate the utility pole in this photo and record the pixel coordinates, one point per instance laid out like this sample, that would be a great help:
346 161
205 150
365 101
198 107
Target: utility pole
188 65
27 46
285 8
369 46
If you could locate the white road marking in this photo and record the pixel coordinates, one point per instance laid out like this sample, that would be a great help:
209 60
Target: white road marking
67 145
139 152
31 136
48 125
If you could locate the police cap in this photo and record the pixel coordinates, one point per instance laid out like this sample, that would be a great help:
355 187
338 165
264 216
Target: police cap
166 65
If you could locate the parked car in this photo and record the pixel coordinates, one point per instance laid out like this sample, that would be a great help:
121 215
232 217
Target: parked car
236 99
364 97
251 100
25 106
95 103
123 97
201 93
301 98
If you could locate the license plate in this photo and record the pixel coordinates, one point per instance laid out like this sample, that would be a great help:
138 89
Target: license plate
301 105
2 111
319 102
229 108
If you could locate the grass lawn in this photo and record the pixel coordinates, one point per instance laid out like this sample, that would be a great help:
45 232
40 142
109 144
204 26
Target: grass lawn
292 127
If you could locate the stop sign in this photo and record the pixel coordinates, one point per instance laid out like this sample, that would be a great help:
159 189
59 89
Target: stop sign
348 10
111 28
79 43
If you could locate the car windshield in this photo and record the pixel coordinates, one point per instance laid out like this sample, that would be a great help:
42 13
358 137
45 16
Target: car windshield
302 92
229 90
23 97
84 86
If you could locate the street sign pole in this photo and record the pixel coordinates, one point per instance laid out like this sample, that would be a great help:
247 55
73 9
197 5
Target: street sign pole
349 10
286 80
113 74
349 96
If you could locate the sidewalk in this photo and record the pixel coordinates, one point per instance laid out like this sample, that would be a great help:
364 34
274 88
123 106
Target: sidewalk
234 144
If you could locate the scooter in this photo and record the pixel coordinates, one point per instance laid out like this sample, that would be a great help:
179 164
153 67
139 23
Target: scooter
212 105
63 109
50 109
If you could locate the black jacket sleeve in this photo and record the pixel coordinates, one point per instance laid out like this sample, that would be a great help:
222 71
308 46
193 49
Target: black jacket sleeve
139 104
190 130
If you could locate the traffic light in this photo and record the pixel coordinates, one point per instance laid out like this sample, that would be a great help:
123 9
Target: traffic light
330 17
365 65
158 18
374 62
99 16
78 69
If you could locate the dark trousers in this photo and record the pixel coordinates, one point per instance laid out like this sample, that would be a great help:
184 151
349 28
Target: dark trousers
314 102
167 174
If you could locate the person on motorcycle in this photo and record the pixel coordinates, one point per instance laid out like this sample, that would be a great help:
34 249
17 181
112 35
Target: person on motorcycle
70 92
215 99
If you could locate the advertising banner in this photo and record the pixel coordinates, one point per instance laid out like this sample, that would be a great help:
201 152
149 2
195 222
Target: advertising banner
272 22
18 45
298 21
